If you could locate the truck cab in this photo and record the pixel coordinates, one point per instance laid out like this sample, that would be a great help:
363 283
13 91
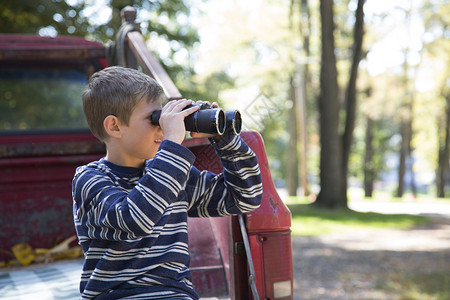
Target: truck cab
44 137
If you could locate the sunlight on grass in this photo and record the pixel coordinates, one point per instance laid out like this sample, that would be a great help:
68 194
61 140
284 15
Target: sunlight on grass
418 286
357 194
309 220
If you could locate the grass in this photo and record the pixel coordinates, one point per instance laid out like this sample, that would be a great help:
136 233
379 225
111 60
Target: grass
386 196
418 286
357 194
310 220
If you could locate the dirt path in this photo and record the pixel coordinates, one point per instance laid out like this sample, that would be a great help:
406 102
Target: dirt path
369 264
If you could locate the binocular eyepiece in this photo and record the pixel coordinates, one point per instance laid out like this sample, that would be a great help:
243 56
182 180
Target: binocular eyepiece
208 119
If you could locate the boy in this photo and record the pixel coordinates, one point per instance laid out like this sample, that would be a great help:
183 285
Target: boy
131 207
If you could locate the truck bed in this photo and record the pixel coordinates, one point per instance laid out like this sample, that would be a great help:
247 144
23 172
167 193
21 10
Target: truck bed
57 280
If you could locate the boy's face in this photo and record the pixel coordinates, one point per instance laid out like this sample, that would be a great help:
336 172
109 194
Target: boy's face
141 139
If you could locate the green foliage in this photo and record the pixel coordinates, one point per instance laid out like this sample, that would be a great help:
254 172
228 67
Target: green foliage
276 142
207 89
30 17
310 220
164 21
82 18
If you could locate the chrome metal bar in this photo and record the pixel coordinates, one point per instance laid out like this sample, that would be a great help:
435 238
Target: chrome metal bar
252 277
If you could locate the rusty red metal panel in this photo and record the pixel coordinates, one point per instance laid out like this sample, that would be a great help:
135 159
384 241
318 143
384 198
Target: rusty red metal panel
221 228
208 159
209 238
207 257
35 186
31 47
22 145
273 214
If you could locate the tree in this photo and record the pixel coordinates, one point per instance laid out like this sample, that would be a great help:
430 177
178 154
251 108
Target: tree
350 95
292 162
369 172
53 16
436 19
335 150
305 26
443 169
406 128
331 168
298 83
406 117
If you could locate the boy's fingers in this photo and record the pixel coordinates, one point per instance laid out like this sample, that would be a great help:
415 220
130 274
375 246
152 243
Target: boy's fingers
173 103
190 110
169 106
178 105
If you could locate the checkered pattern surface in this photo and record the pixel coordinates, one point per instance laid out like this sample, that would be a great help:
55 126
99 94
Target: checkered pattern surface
55 281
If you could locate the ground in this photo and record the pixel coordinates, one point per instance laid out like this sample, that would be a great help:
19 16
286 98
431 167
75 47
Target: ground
361 264
374 263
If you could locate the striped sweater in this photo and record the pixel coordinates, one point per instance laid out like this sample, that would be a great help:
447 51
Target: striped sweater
132 223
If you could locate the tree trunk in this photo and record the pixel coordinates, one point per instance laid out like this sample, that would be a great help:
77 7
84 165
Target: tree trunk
444 151
350 95
305 28
406 121
292 182
412 181
369 172
300 110
404 131
331 194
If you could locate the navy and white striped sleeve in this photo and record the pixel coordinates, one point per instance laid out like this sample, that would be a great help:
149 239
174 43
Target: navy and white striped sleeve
108 211
235 191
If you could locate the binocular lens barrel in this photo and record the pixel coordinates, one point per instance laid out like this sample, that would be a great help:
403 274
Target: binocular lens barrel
234 122
208 120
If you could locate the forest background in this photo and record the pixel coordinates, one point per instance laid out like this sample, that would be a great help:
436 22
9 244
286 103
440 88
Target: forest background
349 95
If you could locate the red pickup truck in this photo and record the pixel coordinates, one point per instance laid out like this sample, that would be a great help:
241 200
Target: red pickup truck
43 138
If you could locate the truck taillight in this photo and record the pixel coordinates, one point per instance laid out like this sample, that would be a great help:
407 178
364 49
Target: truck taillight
275 254
282 289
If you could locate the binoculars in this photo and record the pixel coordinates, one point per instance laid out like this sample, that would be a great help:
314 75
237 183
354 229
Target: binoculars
209 120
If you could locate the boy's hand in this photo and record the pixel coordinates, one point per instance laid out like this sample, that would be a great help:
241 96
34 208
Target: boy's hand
172 119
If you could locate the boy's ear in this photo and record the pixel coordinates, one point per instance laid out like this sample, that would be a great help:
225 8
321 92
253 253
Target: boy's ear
111 125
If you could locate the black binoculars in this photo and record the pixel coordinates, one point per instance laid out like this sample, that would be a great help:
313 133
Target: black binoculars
209 120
